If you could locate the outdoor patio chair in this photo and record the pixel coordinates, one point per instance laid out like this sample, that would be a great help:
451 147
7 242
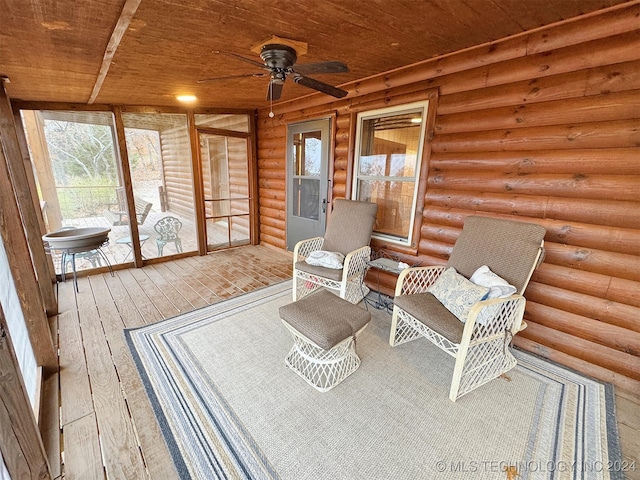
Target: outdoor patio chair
473 321
168 229
347 236
116 213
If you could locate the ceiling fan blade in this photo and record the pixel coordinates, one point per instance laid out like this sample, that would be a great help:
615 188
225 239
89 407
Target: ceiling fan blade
227 77
320 86
274 91
240 57
321 67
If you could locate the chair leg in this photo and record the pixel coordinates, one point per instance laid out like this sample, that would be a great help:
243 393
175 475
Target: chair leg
401 331
480 364
63 266
294 293
457 373
354 290
179 245
303 287
161 245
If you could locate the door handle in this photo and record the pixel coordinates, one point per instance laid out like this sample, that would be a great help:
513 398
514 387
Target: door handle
324 205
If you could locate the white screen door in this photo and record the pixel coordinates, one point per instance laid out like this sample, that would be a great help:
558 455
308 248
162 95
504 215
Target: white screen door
307 180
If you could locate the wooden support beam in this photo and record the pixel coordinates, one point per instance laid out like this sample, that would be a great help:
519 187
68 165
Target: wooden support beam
46 284
198 183
127 183
29 207
128 11
34 129
20 441
15 241
252 158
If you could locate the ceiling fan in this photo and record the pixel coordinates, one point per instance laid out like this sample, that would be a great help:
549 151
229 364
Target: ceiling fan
279 61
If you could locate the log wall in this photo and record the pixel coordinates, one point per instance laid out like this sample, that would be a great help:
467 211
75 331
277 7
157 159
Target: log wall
178 183
541 127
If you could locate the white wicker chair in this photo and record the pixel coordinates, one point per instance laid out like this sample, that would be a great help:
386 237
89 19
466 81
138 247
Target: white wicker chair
512 250
348 232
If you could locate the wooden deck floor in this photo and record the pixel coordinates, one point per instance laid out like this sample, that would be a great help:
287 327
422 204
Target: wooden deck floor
107 427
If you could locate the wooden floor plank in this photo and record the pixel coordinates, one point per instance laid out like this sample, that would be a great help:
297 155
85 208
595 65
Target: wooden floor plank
117 434
170 280
75 391
82 458
147 310
207 293
157 296
237 269
242 279
263 269
50 424
122 301
155 453
206 273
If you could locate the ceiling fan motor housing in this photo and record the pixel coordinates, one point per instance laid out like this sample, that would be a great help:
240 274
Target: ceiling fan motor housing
278 56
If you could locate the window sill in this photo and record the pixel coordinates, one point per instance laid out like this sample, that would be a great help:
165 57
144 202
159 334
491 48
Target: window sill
382 244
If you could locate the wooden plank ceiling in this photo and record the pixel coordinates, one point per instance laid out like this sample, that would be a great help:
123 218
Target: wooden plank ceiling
145 52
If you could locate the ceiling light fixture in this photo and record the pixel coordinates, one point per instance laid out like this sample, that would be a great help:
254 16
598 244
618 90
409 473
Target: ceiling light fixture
186 98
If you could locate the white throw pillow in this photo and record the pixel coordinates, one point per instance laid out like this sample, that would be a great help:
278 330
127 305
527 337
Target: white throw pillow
498 286
321 258
457 293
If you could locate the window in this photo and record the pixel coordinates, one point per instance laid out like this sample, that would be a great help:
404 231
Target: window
387 166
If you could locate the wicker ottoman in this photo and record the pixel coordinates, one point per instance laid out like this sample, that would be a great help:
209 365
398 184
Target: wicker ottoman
324 329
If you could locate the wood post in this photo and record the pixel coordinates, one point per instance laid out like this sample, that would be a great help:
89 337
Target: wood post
119 140
12 229
20 441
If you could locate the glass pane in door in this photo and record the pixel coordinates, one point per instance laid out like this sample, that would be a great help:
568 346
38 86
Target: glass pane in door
307 160
79 183
226 190
306 193
160 161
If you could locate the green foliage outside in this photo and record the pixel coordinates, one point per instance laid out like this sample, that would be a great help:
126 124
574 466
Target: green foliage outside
84 164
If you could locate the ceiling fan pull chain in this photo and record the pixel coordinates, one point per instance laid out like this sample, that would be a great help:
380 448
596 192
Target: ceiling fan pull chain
271 95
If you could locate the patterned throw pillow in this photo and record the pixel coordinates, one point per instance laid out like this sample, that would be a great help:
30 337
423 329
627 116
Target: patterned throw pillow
321 258
457 293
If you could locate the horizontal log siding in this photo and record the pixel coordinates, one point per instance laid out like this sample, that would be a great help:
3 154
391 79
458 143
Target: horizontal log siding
178 183
542 128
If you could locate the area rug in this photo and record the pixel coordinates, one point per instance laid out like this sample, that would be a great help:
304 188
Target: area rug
229 408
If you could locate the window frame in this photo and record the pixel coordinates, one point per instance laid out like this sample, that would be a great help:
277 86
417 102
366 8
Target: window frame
410 241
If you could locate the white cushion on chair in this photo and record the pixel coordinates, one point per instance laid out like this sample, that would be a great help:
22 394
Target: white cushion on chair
457 293
498 286
321 258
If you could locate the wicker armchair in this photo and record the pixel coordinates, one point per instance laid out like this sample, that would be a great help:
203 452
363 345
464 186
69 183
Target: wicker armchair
348 232
480 345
